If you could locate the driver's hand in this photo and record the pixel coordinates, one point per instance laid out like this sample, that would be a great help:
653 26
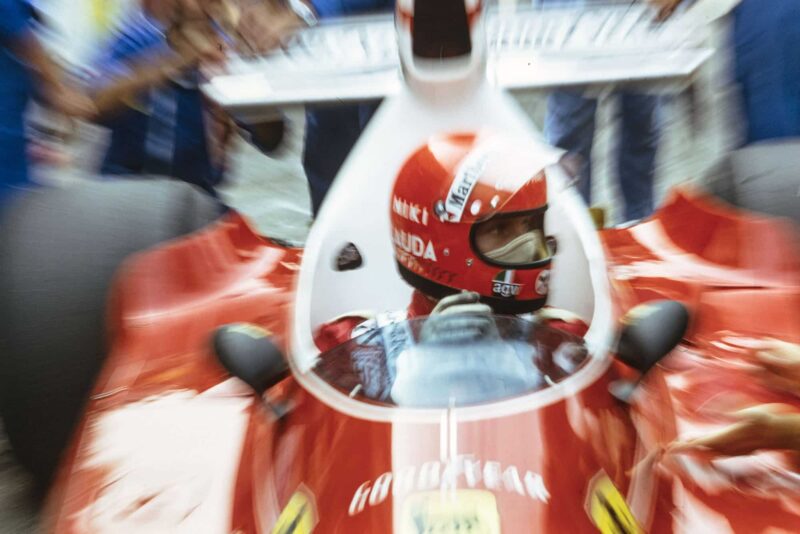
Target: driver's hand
458 318
464 302
765 427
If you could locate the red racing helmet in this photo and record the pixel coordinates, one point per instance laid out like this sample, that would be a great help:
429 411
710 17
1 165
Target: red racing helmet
467 213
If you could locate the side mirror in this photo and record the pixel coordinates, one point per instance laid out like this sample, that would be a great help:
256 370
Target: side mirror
649 332
248 353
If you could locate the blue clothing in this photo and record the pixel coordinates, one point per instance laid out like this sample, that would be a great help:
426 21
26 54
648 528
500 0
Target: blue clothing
570 124
333 131
330 135
164 131
16 87
339 8
766 41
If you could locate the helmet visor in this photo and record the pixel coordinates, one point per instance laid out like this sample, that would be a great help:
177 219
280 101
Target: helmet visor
515 240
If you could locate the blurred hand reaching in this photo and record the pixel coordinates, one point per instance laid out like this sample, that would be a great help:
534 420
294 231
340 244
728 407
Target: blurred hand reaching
264 25
765 427
665 7
70 102
196 42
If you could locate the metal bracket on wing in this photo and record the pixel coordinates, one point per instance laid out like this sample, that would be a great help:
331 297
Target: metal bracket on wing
355 58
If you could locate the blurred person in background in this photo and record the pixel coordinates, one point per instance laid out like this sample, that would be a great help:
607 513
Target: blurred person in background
147 93
147 85
27 70
570 125
766 49
333 131
761 177
761 173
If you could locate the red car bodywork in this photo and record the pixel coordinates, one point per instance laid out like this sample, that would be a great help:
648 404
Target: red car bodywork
738 273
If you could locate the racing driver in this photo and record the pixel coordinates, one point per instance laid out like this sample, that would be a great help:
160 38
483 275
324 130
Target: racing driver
467 220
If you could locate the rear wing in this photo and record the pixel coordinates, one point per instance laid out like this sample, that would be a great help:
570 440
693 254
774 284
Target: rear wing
355 59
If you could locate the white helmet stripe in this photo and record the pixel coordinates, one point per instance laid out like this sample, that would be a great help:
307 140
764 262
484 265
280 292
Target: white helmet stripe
467 175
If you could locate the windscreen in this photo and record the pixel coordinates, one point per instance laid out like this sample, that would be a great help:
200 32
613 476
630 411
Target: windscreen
451 360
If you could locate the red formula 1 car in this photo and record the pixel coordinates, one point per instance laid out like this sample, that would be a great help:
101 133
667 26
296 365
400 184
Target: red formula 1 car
171 442
739 273
519 430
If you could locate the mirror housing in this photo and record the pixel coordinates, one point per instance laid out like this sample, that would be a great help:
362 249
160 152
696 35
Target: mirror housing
650 331
248 353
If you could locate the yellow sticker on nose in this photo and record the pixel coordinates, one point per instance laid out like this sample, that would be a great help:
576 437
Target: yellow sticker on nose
299 516
608 509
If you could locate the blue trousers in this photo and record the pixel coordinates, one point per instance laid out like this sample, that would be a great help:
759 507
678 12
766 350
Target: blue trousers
13 153
331 132
330 135
766 45
570 125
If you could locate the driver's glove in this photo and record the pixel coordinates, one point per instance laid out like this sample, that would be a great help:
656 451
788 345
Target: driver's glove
458 318
464 302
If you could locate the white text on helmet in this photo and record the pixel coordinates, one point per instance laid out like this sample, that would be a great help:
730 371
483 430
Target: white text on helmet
414 245
434 272
506 290
409 210
466 177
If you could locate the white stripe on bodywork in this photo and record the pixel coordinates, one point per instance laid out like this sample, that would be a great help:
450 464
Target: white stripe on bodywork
170 461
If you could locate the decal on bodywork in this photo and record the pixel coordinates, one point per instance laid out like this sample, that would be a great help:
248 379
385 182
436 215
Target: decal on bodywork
452 512
464 471
299 516
608 509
